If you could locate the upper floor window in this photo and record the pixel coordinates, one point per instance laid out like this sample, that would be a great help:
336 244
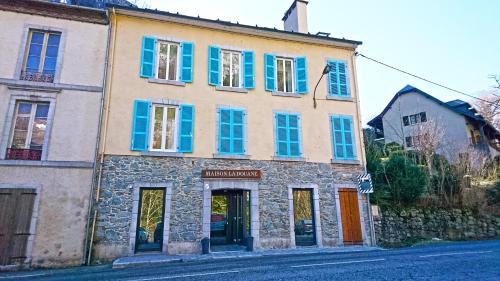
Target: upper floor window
343 138
41 56
415 119
229 68
28 132
166 60
162 127
163 130
231 139
288 135
338 83
285 75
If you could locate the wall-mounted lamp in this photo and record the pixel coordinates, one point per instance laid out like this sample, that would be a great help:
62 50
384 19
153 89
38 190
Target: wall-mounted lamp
326 70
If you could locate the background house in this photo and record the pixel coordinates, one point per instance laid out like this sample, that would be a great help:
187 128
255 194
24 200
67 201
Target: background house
418 120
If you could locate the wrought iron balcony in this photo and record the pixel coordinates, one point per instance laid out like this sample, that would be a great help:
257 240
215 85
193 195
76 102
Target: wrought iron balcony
37 76
23 154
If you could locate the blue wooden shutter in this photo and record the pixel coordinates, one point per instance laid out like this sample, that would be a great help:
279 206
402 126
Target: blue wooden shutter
248 70
281 134
347 127
342 72
140 125
237 132
224 131
333 84
338 138
186 68
213 65
148 56
186 127
293 135
269 72
301 75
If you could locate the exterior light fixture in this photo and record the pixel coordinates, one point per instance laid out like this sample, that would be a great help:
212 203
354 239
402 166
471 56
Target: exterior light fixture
326 70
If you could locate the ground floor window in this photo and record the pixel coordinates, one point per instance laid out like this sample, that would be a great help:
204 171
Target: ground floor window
303 215
149 236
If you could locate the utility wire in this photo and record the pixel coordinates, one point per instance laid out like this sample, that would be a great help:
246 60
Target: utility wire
421 78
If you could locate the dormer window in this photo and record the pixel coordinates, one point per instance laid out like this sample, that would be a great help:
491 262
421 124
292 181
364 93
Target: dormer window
41 56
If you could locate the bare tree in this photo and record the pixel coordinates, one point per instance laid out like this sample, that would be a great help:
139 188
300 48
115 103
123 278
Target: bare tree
428 137
145 4
489 105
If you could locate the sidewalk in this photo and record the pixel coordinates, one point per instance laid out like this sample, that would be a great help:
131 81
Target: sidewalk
158 259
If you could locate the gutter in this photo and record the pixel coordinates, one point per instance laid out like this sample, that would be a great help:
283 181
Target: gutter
96 181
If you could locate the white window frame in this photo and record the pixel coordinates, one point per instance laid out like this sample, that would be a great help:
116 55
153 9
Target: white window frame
284 59
164 127
29 134
231 52
157 63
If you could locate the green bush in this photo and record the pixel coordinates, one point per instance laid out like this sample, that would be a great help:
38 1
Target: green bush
405 182
493 194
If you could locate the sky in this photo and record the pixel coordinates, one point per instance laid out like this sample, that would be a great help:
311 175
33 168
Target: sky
452 42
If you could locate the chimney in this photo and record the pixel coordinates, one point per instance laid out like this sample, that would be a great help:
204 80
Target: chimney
295 18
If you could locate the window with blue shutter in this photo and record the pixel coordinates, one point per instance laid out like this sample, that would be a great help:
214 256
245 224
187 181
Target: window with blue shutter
140 125
269 72
213 65
186 128
148 56
231 131
288 135
186 68
248 70
338 84
343 138
301 75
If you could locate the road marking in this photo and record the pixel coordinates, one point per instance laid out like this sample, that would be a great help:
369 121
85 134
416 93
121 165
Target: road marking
455 253
22 276
334 263
187 275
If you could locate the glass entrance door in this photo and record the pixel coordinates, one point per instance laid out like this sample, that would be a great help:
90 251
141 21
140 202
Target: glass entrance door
303 217
149 235
230 220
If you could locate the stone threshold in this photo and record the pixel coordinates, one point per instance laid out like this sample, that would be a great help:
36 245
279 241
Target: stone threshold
160 259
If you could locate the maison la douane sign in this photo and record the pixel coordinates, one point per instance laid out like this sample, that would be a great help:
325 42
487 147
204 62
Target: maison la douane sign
231 174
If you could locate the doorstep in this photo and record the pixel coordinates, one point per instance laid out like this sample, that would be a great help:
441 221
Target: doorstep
159 259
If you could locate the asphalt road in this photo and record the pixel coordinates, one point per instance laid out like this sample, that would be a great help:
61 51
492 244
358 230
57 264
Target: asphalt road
446 261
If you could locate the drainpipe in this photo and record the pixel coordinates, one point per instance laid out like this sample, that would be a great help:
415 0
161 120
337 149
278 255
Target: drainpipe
101 142
363 155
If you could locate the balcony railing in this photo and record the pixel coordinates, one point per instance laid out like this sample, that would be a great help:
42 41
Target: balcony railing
23 154
37 76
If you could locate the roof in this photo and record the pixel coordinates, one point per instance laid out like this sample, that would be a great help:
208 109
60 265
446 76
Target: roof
55 10
227 25
458 106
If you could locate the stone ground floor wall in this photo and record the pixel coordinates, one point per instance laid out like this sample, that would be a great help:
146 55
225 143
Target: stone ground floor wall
122 173
60 211
407 226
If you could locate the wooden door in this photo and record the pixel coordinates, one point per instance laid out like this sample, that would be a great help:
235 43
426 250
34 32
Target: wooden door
16 208
349 210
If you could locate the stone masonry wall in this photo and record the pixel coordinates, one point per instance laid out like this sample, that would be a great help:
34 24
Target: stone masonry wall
121 172
407 226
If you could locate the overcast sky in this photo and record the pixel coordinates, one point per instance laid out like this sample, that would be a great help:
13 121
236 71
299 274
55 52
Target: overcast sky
453 42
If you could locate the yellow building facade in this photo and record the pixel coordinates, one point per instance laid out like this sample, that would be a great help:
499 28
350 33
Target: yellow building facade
211 139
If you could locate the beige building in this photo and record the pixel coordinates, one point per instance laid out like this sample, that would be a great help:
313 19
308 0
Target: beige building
212 140
51 86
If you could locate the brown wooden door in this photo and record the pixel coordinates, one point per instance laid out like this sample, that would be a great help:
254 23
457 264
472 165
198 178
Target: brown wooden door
16 207
349 210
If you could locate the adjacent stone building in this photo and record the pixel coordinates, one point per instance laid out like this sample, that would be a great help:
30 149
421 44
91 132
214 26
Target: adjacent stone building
51 78
211 135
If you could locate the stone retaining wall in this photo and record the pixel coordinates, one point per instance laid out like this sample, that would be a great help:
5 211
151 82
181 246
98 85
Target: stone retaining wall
407 226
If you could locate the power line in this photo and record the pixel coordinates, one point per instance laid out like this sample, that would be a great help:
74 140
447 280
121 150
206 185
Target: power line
424 79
